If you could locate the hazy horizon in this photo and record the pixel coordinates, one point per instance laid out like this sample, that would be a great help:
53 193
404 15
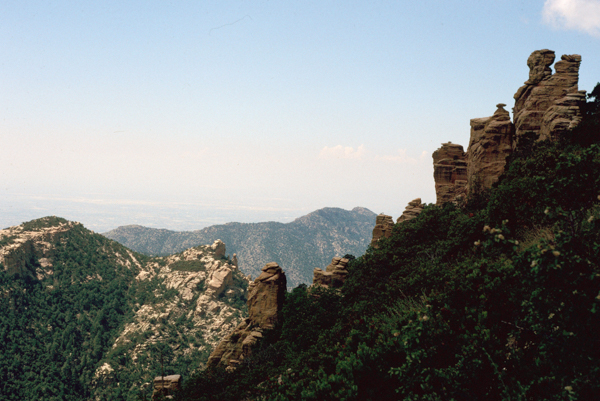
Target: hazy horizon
185 114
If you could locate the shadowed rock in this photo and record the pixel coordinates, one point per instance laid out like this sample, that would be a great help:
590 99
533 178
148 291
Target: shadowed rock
383 228
334 275
265 300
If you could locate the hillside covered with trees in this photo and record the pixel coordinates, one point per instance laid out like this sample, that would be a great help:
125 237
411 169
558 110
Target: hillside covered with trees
85 318
493 299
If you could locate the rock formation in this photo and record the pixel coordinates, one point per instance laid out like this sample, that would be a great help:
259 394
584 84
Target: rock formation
30 252
449 172
334 275
265 300
205 286
542 90
165 386
383 228
547 104
490 144
563 115
414 208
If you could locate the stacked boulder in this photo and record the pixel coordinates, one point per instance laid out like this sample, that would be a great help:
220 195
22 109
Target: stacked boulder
449 172
265 300
334 274
563 115
490 145
544 90
547 105
383 228
414 208
384 225
166 386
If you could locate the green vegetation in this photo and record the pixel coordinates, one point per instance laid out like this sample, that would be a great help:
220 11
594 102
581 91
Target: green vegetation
497 299
44 222
308 241
7 240
59 330
188 266
56 332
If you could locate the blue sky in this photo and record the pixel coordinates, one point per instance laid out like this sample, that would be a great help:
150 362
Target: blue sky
254 110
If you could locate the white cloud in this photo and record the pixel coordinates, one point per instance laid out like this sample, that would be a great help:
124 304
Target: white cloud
580 15
342 152
401 157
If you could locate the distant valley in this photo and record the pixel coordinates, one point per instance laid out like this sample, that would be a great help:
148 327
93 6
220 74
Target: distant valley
299 246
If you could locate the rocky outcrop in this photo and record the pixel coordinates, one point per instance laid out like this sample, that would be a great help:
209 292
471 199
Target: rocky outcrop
165 386
542 90
205 288
334 274
449 172
547 104
414 208
29 250
265 300
490 144
383 228
563 115
266 295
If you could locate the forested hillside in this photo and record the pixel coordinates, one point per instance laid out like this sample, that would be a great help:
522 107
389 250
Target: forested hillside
84 318
309 241
496 298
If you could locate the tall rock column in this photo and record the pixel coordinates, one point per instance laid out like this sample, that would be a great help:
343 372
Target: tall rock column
490 144
542 90
265 300
449 172
383 228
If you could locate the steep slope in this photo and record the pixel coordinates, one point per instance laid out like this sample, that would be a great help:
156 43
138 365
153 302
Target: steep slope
299 246
86 318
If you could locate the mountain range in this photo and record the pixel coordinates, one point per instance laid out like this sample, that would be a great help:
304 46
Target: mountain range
299 246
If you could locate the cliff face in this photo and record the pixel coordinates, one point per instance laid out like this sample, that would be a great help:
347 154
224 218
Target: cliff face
546 105
265 300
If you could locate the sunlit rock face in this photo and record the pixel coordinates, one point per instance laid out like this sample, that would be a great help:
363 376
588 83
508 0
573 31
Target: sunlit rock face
30 252
265 300
489 146
414 208
449 172
334 274
563 115
204 285
543 90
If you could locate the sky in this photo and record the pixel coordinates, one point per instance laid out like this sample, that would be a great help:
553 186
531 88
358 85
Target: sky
184 114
